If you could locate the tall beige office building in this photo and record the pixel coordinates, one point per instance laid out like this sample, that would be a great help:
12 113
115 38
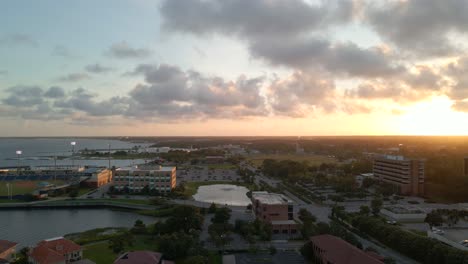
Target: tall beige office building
406 174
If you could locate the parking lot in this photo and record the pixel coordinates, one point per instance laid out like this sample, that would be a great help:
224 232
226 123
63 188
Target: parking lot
203 173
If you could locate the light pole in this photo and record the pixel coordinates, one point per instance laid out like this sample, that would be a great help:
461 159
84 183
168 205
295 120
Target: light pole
73 143
18 154
109 155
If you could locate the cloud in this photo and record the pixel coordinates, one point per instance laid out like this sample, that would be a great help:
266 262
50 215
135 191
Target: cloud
62 51
460 106
55 92
457 72
74 77
3 73
300 94
171 92
252 19
283 33
23 96
342 58
123 50
17 39
422 27
97 68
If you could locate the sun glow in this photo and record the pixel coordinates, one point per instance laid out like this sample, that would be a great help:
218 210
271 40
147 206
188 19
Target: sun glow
433 117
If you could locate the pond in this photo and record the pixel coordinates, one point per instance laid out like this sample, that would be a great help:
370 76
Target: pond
223 194
27 227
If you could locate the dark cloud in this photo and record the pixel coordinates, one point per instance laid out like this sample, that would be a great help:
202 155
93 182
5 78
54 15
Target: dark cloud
17 39
123 50
344 58
97 68
20 96
54 92
282 33
74 77
420 26
252 19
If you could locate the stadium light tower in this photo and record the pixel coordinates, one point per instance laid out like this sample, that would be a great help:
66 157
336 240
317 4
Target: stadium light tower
73 143
18 154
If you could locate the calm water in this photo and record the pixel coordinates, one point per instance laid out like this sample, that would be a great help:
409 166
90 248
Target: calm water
30 226
37 151
223 194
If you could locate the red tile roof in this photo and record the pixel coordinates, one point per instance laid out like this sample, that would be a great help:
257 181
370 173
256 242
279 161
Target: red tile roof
44 255
53 250
6 245
338 251
139 257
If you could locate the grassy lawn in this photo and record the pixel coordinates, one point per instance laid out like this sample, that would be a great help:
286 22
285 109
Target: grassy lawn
102 254
10 201
162 212
84 190
192 187
19 187
316 160
99 253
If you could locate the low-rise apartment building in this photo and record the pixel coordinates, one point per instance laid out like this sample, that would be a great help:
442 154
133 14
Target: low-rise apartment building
277 210
405 174
55 251
135 179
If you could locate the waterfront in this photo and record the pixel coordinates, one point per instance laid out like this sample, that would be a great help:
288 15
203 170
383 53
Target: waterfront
30 226
40 151
223 194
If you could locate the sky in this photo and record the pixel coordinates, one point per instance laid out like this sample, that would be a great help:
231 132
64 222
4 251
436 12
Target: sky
233 67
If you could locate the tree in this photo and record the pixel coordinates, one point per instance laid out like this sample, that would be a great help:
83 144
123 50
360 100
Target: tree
272 250
306 216
308 252
212 208
376 205
221 216
117 244
364 210
139 227
434 218
178 245
220 233
73 193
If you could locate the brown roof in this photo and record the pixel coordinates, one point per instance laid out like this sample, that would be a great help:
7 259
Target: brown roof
139 257
53 250
339 251
44 255
6 245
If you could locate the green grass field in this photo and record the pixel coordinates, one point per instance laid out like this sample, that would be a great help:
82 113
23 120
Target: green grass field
313 160
23 187
99 253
